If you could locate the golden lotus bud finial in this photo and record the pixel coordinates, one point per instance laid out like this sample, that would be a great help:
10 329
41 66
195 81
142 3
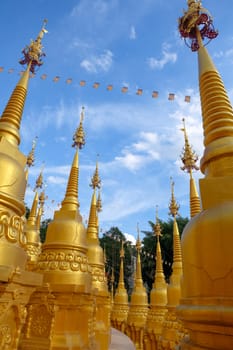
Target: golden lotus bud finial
157 227
31 155
42 199
188 156
79 136
196 25
122 252
95 181
173 205
34 52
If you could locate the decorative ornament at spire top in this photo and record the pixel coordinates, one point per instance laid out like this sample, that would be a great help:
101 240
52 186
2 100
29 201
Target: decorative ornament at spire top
157 227
39 181
95 181
122 252
31 154
196 25
173 205
188 156
138 242
79 136
34 52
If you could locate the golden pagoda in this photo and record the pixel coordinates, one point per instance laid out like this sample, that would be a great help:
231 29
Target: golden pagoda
206 307
189 159
55 310
158 298
16 281
95 257
138 308
172 329
120 307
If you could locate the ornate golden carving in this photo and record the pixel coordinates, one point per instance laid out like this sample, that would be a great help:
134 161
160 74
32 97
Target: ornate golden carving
5 336
63 261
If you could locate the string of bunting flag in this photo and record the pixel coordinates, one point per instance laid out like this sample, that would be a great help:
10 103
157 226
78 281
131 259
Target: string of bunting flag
96 85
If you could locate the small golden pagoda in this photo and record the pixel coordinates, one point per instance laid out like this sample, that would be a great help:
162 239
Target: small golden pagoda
206 307
99 283
189 159
120 307
138 308
158 298
172 329
16 281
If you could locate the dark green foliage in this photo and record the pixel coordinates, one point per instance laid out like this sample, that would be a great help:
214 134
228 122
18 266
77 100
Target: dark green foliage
111 243
43 229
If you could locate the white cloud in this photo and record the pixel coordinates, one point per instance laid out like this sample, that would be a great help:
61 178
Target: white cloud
132 34
167 57
130 238
95 64
56 180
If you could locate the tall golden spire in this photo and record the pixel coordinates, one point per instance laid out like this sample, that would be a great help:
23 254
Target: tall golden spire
177 258
158 297
121 306
12 115
189 159
32 233
159 274
207 280
138 309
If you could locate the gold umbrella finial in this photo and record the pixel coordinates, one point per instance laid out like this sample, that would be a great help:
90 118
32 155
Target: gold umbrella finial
173 205
188 156
79 135
33 53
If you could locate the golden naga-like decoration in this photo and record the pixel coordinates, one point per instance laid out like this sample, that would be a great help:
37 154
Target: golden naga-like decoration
158 298
33 53
196 17
189 159
120 307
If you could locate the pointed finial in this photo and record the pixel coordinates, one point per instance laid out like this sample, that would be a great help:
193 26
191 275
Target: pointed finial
157 227
95 181
188 156
138 242
34 52
42 199
173 205
99 203
79 136
31 154
39 181
122 252
196 25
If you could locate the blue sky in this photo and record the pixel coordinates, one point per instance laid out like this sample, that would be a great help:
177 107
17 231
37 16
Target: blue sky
138 138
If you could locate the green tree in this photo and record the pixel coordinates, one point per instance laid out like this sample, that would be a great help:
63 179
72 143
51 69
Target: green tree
149 249
111 243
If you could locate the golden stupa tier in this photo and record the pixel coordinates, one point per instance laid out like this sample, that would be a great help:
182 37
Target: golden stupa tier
207 303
